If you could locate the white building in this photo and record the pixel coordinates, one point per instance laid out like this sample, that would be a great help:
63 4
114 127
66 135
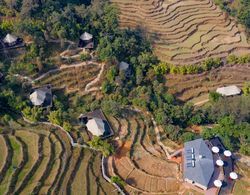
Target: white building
10 40
96 126
229 90
41 96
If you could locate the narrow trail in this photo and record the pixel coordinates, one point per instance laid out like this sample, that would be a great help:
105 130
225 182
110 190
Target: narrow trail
201 102
96 80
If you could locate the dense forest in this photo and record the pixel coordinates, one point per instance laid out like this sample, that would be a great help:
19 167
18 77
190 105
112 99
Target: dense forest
145 88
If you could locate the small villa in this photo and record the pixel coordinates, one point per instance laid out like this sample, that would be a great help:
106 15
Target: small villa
86 41
42 96
208 166
96 123
198 163
11 40
231 90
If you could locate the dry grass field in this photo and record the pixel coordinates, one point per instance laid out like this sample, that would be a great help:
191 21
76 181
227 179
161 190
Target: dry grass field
184 31
40 160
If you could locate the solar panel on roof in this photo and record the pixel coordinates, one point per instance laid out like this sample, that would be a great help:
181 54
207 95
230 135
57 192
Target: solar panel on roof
193 163
189 157
189 164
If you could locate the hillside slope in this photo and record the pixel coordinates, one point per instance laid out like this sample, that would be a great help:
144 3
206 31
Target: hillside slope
184 31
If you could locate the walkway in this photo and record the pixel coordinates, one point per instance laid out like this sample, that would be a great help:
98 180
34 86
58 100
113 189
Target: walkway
201 102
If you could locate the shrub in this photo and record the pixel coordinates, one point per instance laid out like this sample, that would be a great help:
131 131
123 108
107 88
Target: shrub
214 96
56 117
85 57
246 89
111 107
33 114
232 59
117 180
107 87
102 146
174 69
210 63
67 126
111 74
161 69
187 136
182 70
6 119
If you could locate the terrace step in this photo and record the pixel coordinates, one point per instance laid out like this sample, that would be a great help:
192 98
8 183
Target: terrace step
175 28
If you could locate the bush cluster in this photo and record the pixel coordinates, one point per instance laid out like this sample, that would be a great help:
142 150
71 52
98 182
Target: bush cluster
163 68
233 59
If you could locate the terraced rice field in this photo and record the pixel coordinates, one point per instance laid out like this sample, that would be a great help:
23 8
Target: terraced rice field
188 87
140 162
40 160
72 79
184 31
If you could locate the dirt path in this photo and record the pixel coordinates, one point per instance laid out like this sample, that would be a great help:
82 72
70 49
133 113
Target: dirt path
201 102
96 80
158 139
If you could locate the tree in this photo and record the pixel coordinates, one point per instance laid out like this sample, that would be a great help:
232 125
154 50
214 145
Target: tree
67 126
232 134
111 74
187 136
117 180
246 89
56 117
29 7
139 75
102 146
111 107
161 117
232 59
161 69
244 16
6 119
33 114
238 107
107 87
214 96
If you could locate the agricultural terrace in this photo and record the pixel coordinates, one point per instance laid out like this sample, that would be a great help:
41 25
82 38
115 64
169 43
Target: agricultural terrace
73 78
140 161
40 160
197 87
184 32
